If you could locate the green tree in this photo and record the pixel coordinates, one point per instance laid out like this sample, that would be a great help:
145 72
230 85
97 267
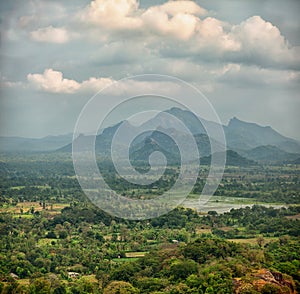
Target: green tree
125 272
40 286
149 285
181 269
120 287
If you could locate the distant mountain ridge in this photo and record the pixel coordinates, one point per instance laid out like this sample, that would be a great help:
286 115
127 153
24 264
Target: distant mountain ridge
240 135
232 159
20 144
244 135
249 140
269 154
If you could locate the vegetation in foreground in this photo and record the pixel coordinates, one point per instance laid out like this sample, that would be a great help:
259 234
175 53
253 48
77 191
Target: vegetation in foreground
52 240
83 250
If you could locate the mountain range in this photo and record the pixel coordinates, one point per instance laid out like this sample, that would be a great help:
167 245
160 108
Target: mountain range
247 142
20 144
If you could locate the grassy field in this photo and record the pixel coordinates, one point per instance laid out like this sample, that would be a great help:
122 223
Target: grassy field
203 231
38 186
253 241
135 254
124 259
27 206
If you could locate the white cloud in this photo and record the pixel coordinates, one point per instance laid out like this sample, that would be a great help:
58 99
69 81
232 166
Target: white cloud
95 84
175 18
178 29
253 76
262 43
211 34
180 25
260 34
175 7
205 77
253 41
51 35
53 82
112 14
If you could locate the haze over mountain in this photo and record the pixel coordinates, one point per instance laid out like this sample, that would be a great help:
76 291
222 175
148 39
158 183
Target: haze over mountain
240 135
245 135
20 144
269 154
232 159
250 140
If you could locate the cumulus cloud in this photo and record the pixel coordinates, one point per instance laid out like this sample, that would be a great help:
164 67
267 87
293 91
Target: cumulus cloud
180 25
175 18
113 14
253 41
177 38
189 7
180 29
252 76
53 82
51 35
262 43
211 34
95 84
179 19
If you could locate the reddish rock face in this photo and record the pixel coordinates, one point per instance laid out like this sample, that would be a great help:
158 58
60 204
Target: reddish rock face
263 279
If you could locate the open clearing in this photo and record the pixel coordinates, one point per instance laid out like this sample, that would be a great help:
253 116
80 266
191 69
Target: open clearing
27 205
135 254
253 241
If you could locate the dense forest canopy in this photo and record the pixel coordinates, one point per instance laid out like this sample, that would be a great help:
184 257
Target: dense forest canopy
53 240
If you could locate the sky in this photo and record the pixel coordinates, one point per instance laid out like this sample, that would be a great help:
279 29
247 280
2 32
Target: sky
55 55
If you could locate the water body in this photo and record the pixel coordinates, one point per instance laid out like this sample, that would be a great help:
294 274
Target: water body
224 204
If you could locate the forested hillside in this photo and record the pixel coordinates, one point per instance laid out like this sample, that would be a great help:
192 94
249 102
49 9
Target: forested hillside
83 250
